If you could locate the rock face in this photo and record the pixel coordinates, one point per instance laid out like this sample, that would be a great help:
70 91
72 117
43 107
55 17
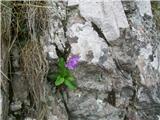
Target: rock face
108 15
117 68
118 75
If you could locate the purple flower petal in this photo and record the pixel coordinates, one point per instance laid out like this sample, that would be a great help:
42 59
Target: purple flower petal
72 62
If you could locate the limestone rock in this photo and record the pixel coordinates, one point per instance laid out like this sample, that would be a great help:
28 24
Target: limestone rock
17 105
89 45
130 60
109 16
144 7
92 107
29 118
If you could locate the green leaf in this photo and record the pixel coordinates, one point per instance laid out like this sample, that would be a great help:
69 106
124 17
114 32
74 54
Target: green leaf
70 84
59 81
64 72
61 63
70 78
52 76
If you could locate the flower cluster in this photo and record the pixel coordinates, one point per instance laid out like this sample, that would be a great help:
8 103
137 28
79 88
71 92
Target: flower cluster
72 62
64 77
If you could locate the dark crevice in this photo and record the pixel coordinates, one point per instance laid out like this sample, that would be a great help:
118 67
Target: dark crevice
100 33
125 117
67 47
11 68
65 105
136 82
64 54
119 68
112 98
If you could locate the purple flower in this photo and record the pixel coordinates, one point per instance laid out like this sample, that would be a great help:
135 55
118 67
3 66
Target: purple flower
72 62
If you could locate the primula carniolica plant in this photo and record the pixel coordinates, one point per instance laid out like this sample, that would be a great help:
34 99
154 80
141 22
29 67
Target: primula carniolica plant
64 76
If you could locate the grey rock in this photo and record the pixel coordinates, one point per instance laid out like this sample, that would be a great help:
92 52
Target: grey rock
15 106
144 7
129 6
73 2
127 91
91 77
20 88
90 107
11 117
86 34
129 61
56 31
29 118
55 106
51 50
91 100
109 16
55 34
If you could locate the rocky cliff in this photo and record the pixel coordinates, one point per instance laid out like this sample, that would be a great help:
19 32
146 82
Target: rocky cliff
118 75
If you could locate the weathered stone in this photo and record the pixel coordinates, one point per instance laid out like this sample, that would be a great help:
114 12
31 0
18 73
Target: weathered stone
56 31
144 7
29 118
11 117
88 106
51 51
15 106
145 67
55 105
88 40
55 34
73 2
155 62
131 54
100 81
19 87
94 86
144 40
109 16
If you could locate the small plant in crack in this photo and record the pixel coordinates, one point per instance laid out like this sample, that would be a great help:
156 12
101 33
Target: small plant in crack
64 78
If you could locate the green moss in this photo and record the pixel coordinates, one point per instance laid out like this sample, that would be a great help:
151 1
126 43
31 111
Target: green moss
156 12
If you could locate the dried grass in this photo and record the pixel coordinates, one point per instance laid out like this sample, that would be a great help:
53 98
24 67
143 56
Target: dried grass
27 27
35 68
35 65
